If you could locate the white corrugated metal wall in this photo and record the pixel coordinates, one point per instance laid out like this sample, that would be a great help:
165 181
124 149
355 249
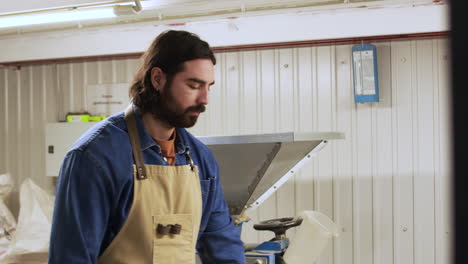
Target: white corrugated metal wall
386 185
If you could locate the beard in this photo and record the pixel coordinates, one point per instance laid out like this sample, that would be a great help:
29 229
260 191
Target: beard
165 110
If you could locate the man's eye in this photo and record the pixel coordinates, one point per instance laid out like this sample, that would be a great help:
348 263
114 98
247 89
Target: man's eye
193 86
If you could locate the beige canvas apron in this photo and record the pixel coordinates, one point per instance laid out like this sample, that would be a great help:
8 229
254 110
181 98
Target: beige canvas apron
163 222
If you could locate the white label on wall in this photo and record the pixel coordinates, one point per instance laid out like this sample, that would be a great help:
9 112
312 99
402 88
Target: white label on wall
107 99
364 72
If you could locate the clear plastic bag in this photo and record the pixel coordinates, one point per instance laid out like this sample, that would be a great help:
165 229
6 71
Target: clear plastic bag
30 242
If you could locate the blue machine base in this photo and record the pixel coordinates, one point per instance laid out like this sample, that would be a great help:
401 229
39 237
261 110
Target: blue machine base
269 252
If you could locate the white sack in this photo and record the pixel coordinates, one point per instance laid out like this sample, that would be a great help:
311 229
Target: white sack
6 185
30 243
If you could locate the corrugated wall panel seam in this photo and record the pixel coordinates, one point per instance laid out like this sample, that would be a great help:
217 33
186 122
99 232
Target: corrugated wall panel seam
19 127
435 81
442 182
444 144
436 134
85 84
277 110
71 89
258 68
276 92
18 98
260 129
32 107
42 69
417 152
25 137
4 106
350 137
58 92
114 73
295 111
99 72
297 93
315 87
241 93
332 68
224 93
61 96
354 175
373 169
6 115
392 138
294 66
334 151
390 149
394 111
333 127
414 136
343 245
427 150
11 125
258 91
434 125
2 121
31 101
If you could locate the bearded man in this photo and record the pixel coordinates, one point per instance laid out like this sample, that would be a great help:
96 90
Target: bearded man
138 187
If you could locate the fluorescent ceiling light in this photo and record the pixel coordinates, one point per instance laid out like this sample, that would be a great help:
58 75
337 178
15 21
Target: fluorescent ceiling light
56 16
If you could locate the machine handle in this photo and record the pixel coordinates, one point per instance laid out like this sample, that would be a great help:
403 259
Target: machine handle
279 225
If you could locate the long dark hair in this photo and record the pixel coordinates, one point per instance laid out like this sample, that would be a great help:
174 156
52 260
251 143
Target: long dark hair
168 51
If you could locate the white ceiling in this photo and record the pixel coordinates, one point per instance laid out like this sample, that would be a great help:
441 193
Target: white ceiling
225 23
174 11
18 6
183 7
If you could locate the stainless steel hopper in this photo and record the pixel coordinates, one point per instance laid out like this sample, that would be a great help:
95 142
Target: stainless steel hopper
252 167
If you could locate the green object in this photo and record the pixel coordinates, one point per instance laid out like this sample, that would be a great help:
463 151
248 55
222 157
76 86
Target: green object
77 118
96 118
83 117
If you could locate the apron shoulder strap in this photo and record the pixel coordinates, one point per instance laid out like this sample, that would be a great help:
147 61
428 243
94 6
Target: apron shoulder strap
135 141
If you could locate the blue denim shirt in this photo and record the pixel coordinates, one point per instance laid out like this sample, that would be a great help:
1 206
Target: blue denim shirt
95 193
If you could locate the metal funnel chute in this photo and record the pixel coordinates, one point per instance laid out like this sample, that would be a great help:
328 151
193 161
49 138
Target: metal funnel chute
252 167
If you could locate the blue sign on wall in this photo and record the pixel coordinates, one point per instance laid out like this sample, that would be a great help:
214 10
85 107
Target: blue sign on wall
365 74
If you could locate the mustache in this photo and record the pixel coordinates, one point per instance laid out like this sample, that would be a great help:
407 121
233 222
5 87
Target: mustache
196 108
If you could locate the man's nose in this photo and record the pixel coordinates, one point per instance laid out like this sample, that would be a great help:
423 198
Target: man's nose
203 96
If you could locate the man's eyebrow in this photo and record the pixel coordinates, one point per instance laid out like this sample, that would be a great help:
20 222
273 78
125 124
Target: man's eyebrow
199 81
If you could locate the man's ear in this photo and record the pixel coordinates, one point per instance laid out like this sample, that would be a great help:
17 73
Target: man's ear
158 78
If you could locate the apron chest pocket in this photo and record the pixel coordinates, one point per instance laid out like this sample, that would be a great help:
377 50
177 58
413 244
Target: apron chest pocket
173 239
